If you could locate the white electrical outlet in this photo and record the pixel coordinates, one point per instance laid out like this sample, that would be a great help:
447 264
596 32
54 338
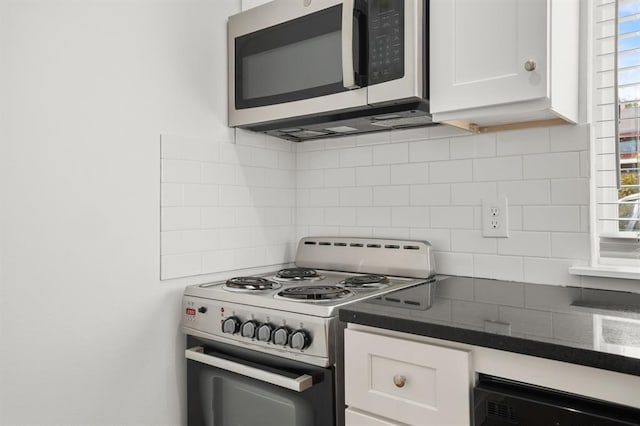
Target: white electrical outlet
495 217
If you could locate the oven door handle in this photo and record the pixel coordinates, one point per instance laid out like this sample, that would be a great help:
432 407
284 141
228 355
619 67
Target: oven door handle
273 376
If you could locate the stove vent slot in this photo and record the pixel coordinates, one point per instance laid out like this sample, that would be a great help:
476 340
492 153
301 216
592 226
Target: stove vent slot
411 247
324 243
340 244
310 243
374 246
356 245
392 246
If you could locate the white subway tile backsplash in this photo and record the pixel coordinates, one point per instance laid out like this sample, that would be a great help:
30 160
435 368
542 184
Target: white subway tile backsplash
410 217
472 193
219 217
340 216
551 218
391 195
310 178
429 150
501 267
527 192
392 233
374 175
411 173
554 165
452 217
550 271
430 195
454 263
451 171
201 195
328 159
525 244
323 197
440 239
570 191
497 169
395 153
373 216
355 157
472 241
339 177
218 173
476 146
356 196
260 195
518 142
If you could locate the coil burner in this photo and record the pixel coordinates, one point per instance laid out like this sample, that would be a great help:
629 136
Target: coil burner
315 293
365 282
297 274
249 284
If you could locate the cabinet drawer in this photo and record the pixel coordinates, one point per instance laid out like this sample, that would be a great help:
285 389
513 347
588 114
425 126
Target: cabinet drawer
413 383
356 418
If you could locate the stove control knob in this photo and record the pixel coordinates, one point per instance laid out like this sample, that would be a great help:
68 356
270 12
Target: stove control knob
299 340
231 325
264 332
280 336
248 329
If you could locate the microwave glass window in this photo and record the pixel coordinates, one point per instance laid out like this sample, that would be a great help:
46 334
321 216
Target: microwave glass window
295 60
303 65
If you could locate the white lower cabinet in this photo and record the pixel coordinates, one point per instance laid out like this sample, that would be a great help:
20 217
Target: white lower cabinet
391 381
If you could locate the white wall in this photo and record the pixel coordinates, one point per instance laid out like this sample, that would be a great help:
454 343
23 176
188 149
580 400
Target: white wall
89 334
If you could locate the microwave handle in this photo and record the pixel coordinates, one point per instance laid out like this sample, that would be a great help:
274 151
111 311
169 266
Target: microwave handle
298 384
348 72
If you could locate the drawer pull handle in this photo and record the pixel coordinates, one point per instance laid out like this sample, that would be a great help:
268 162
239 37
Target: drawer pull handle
399 380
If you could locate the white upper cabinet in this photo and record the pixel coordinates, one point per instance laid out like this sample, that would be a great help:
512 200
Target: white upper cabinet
497 62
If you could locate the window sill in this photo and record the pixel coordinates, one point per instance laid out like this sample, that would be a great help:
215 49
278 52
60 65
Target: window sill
607 271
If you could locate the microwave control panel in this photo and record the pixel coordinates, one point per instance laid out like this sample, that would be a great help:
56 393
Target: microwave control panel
386 40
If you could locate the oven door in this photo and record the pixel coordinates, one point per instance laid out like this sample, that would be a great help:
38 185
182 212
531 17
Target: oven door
229 386
289 59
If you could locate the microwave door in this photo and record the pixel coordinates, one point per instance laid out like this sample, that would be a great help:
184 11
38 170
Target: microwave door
398 51
286 60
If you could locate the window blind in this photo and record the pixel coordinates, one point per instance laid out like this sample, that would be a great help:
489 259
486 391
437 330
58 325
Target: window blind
617 116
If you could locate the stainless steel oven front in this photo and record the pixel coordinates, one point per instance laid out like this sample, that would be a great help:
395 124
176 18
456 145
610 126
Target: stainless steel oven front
325 59
230 385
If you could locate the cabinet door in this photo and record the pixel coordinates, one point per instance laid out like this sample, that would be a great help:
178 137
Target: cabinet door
479 51
356 418
409 382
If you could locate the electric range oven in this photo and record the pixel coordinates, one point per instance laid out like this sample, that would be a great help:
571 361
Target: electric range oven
267 350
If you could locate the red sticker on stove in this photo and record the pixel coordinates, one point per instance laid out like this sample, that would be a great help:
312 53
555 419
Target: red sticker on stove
191 311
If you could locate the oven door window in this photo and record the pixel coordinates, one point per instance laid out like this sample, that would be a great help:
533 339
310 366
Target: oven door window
218 396
296 60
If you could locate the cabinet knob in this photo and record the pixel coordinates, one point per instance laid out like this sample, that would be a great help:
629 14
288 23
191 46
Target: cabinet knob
399 380
530 65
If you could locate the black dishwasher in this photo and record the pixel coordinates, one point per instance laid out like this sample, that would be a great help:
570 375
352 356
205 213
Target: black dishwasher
502 402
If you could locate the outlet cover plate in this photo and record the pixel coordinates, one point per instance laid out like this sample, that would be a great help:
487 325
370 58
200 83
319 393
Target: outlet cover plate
495 217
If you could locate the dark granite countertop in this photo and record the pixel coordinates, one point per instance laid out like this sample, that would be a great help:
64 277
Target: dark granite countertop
595 328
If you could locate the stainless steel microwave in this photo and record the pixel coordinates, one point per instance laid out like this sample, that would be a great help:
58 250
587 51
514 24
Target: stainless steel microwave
307 69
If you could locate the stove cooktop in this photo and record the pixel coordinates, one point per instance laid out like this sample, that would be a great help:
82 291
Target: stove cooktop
319 293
